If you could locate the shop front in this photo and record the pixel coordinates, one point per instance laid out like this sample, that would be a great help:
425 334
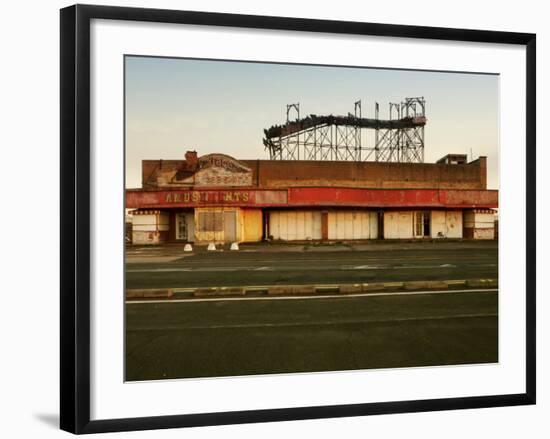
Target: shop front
218 199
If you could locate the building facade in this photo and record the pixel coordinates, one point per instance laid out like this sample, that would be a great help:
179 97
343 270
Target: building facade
216 198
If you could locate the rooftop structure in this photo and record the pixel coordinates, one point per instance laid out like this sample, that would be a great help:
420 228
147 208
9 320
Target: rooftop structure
397 139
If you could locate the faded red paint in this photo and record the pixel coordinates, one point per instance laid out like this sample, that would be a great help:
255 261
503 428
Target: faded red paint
204 198
314 196
392 197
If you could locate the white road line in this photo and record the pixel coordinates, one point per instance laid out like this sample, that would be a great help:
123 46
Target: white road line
364 267
321 323
325 296
291 268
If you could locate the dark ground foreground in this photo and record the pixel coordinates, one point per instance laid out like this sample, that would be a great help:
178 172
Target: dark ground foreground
244 337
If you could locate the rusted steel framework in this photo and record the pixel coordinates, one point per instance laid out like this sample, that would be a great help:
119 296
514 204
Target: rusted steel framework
397 139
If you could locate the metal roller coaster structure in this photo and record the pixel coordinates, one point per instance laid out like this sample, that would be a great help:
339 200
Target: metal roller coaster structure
397 139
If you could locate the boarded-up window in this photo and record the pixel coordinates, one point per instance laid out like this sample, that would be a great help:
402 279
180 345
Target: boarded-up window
210 221
295 225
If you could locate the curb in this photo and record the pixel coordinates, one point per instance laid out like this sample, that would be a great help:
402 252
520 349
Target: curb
219 292
306 290
482 283
156 293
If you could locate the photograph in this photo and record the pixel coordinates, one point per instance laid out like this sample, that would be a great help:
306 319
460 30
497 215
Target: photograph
297 218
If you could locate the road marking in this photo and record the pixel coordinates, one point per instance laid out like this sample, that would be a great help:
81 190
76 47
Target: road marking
321 323
294 268
325 296
364 267
350 261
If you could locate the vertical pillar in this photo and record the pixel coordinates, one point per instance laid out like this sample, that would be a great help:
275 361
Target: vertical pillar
324 225
265 218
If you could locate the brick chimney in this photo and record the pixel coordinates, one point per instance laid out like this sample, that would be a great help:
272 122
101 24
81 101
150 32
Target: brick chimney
191 161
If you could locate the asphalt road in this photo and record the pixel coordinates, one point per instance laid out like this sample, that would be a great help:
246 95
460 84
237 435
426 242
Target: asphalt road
244 337
325 265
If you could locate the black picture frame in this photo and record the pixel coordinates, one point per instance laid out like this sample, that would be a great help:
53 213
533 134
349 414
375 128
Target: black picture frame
75 217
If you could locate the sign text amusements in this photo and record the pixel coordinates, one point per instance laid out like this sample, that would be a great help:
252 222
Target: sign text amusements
222 170
209 197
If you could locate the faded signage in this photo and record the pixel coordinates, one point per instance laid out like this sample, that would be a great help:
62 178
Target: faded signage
222 170
198 198
207 197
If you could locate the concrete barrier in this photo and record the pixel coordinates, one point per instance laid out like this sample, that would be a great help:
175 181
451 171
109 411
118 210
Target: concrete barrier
350 288
371 287
303 289
455 283
482 283
219 292
255 291
393 286
291 289
297 290
278 290
149 293
231 291
425 285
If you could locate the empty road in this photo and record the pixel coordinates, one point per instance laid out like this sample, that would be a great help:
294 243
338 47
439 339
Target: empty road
258 336
255 265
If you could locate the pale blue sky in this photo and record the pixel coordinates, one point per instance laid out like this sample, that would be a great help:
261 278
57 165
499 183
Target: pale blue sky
174 105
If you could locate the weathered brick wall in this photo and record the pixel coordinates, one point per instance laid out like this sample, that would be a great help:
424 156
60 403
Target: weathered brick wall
279 174
370 174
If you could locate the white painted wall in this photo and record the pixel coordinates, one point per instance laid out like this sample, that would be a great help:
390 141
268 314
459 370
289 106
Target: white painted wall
352 225
398 225
299 225
482 223
151 222
146 228
446 224
453 222
438 227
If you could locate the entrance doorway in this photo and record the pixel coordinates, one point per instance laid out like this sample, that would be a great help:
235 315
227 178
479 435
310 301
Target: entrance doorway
422 224
185 226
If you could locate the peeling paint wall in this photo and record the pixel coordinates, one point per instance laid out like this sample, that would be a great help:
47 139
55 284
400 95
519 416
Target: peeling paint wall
150 227
348 225
479 224
211 225
446 224
252 225
295 225
398 225
283 173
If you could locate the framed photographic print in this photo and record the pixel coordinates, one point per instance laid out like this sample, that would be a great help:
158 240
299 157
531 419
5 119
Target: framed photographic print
268 218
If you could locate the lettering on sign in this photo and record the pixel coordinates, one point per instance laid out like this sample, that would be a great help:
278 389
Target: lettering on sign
208 197
222 170
194 198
